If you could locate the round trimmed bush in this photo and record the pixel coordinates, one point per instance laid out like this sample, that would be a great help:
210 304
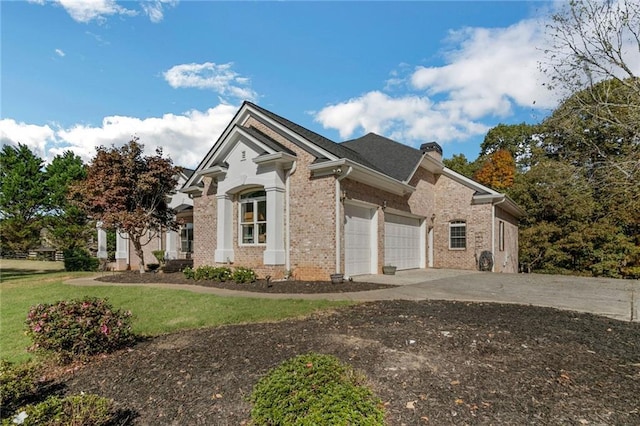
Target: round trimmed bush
78 328
314 389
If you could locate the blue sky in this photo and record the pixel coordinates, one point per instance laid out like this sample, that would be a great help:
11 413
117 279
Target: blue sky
78 74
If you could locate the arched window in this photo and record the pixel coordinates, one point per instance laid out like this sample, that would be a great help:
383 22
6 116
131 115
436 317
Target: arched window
253 218
457 235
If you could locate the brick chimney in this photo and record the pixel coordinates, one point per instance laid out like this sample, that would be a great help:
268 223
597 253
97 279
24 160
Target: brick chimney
432 149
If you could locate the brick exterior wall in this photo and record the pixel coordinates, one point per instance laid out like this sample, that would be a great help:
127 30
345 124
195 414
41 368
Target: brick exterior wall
204 225
453 201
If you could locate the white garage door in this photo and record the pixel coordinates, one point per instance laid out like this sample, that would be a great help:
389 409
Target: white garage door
357 240
402 242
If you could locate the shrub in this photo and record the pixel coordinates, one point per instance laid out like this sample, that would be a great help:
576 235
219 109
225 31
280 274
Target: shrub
159 255
219 273
243 275
78 259
19 384
189 273
78 328
74 410
314 389
215 273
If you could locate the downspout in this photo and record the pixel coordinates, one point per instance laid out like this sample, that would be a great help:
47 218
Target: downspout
337 216
493 232
287 233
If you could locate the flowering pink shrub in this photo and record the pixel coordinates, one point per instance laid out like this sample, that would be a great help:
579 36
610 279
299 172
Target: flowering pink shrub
78 328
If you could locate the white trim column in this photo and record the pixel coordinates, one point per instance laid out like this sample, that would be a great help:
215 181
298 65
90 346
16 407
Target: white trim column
122 250
275 252
102 242
171 248
224 209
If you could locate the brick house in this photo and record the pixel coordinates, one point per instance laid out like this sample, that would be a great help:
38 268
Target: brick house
281 199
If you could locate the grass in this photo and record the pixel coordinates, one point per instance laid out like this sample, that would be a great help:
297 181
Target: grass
155 311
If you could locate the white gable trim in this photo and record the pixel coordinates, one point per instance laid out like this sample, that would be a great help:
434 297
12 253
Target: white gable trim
428 163
241 117
219 151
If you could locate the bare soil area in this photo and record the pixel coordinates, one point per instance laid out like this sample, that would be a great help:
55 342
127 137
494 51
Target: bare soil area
431 362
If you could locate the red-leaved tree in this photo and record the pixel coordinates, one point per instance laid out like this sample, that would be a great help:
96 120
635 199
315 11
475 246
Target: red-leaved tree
128 192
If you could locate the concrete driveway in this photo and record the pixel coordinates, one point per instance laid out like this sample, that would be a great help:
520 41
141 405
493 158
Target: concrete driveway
619 299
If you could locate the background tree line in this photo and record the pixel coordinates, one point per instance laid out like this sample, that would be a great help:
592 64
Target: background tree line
577 173
63 201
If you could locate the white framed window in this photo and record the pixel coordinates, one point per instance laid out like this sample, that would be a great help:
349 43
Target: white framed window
501 236
186 238
457 235
253 218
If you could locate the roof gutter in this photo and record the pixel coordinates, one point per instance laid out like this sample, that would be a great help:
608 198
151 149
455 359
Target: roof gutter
362 174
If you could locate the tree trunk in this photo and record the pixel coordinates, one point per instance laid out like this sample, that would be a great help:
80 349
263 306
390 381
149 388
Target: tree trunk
138 249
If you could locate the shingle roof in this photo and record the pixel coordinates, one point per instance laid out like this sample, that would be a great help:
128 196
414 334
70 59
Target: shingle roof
390 157
326 144
187 172
268 141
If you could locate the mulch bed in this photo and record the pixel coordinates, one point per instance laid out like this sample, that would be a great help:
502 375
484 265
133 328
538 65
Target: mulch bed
431 363
260 286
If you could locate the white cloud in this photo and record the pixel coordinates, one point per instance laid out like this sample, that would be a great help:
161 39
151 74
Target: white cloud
488 73
85 11
60 53
408 119
491 70
34 136
155 9
186 138
219 78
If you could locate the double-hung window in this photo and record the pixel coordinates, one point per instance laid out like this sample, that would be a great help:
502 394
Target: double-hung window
186 238
253 218
457 235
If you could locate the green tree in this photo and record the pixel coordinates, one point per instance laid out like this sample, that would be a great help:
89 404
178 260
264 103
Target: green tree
559 205
23 198
67 224
460 164
128 192
583 189
520 140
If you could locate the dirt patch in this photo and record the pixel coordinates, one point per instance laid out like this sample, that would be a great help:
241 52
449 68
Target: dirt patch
259 286
431 362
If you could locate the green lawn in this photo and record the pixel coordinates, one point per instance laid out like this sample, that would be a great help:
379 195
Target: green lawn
155 311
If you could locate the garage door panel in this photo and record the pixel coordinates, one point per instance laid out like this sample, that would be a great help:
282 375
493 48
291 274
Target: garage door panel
357 230
402 242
